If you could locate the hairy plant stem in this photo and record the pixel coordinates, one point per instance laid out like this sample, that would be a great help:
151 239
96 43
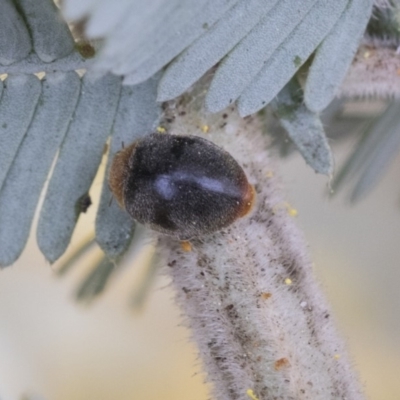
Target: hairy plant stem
248 293
374 73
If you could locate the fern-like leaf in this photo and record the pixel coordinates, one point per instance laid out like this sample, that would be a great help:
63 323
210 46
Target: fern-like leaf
59 114
243 63
190 20
77 163
96 280
20 96
374 152
260 43
15 42
20 193
51 37
206 51
304 128
63 115
137 115
341 44
290 56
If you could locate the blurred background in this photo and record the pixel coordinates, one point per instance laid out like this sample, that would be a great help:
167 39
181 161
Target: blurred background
54 347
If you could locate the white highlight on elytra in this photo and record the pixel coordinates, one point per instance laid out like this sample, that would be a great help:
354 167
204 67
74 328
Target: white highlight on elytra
167 185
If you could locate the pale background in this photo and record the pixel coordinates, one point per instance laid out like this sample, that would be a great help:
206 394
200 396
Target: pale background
52 346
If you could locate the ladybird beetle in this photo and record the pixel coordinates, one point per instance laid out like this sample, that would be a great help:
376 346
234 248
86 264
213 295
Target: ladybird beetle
183 186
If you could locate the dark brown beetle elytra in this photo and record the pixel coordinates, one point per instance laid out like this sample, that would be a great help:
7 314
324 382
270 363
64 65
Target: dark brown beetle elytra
184 186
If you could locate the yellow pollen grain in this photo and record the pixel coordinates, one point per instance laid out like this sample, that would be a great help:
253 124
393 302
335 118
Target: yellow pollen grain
160 129
186 246
336 356
269 174
367 54
251 394
288 281
205 128
291 211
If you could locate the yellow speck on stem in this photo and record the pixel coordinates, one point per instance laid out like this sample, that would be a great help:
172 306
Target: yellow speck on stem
205 128
266 295
288 281
251 394
291 211
186 246
269 174
285 206
281 363
160 129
